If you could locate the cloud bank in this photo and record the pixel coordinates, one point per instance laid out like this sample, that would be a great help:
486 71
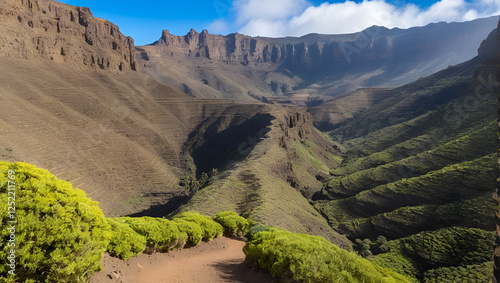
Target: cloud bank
298 17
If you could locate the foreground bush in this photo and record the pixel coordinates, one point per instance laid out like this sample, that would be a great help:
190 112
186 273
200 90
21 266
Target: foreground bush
125 242
305 258
210 229
234 225
161 234
60 235
193 231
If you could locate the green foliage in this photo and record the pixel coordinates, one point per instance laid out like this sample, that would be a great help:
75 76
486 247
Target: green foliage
210 229
161 234
448 246
191 185
234 225
256 229
470 273
305 258
193 231
399 263
60 235
125 242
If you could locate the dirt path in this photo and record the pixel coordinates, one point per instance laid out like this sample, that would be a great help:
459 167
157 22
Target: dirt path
221 260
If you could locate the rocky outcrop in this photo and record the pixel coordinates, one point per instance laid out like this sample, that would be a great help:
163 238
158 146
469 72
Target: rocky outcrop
247 68
55 31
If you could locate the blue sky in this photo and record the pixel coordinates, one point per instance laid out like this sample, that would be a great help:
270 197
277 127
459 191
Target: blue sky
144 20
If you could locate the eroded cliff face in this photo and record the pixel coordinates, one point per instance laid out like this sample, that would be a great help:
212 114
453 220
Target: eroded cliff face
241 49
313 66
56 31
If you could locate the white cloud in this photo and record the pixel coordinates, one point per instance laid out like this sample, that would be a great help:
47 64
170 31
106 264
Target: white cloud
218 27
248 10
298 17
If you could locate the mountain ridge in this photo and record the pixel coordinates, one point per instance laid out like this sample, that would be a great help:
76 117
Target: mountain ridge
312 66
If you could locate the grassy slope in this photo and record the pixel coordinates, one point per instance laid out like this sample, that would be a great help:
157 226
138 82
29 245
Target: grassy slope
421 159
270 183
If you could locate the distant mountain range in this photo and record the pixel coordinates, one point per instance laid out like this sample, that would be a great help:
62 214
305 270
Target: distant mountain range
246 68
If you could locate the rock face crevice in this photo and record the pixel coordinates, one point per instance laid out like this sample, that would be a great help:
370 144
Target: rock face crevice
60 32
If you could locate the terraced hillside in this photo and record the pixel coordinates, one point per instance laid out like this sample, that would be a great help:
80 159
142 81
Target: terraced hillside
285 162
419 167
118 137
127 140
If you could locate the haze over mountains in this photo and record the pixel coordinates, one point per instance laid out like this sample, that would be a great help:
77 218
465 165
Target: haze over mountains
247 68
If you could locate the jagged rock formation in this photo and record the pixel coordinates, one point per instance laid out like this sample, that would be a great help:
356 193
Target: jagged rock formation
246 68
127 139
56 31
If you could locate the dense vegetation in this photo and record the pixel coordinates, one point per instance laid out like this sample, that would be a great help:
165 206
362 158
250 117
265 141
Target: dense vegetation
414 189
60 234
234 225
294 257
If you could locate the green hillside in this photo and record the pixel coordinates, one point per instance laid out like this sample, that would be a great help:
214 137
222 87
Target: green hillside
420 165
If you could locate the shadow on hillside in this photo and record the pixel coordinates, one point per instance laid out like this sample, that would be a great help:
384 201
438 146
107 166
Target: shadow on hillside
161 210
241 272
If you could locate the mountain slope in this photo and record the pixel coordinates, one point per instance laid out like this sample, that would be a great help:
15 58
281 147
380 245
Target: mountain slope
247 68
419 163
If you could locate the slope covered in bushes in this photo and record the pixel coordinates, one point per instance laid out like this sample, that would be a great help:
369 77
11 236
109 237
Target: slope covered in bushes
294 257
420 164
60 234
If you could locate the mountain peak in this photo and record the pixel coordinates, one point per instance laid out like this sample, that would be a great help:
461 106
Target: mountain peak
63 33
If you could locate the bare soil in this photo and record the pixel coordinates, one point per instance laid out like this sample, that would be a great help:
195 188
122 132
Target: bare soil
221 260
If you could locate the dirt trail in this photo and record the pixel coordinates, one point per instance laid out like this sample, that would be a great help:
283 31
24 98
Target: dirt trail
221 260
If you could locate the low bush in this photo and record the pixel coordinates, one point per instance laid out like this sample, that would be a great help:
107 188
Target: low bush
256 229
125 242
234 225
60 234
161 234
193 231
210 229
304 258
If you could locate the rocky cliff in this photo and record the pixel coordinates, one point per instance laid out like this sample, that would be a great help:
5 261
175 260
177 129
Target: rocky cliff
52 30
246 68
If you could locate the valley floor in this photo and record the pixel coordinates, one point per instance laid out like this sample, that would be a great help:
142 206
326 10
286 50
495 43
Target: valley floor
221 260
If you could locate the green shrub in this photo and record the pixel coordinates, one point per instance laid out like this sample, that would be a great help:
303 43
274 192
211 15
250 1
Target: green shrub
304 258
234 225
161 234
210 229
399 263
470 273
256 229
125 242
448 246
60 235
193 231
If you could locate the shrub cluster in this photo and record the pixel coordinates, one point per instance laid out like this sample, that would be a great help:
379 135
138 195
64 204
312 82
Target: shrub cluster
161 234
234 225
125 242
209 228
470 273
304 258
60 234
